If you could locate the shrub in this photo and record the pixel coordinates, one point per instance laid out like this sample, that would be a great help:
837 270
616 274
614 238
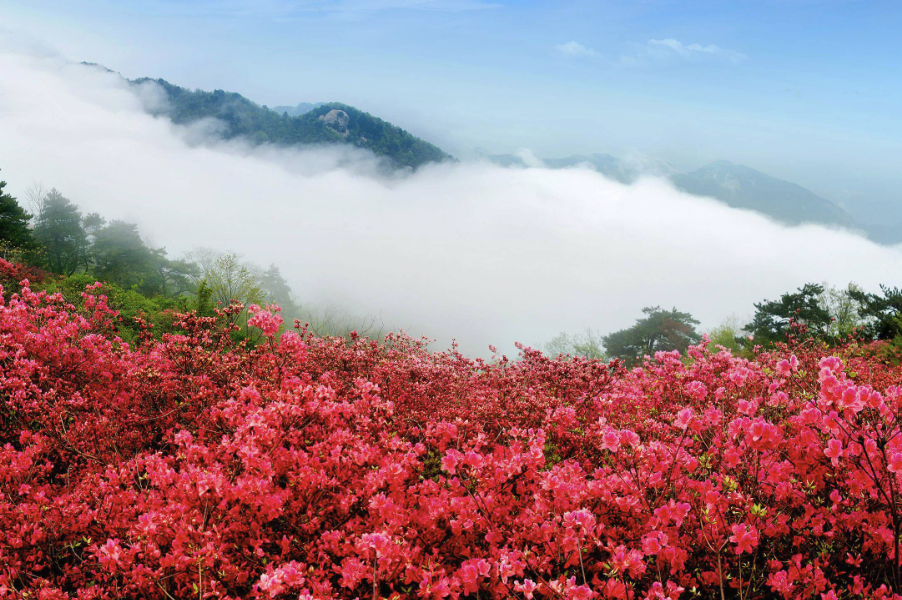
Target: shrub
156 313
192 466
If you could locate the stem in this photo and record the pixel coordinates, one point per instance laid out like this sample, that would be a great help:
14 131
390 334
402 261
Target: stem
162 589
895 542
720 577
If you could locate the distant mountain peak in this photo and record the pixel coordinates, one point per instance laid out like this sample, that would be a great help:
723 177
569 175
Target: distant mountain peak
323 123
721 164
623 170
296 111
94 65
741 186
737 185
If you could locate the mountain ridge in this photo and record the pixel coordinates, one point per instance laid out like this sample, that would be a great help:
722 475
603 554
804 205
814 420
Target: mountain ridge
736 185
260 124
744 187
297 111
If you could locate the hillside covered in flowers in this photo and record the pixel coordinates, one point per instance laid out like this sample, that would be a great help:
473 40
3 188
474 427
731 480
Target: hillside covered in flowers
191 465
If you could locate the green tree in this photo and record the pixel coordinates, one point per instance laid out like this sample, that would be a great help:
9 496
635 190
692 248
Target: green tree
586 345
204 305
728 334
278 291
172 277
229 278
224 278
93 223
120 256
58 229
14 232
844 310
771 323
882 313
660 330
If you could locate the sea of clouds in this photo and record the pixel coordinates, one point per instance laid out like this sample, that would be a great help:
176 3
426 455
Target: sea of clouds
469 250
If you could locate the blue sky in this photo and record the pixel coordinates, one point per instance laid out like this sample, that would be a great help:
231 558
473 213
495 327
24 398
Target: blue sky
806 90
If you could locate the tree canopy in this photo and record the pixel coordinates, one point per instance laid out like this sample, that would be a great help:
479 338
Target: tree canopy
772 319
59 230
14 231
586 345
660 330
883 311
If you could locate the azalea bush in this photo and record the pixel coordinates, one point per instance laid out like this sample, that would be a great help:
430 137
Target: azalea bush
293 466
12 273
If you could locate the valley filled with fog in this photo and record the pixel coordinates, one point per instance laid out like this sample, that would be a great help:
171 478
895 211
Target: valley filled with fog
467 250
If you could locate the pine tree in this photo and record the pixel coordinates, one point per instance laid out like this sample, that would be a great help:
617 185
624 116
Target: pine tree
14 232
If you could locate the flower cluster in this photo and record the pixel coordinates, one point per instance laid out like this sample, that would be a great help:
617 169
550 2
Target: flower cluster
11 274
265 319
194 467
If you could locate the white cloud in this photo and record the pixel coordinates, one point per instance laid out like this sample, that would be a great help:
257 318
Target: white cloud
573 48
656 52
669 47
529 158
465 250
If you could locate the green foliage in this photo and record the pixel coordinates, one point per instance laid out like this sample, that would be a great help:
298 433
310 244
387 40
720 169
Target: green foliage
277 290
771 323
120 256
204 303
845 312
383 138
225 278
660 330
173 277
728 334
244 118
140 281
15 236
228 278
155 310
883 312
586 345
59 230
890 351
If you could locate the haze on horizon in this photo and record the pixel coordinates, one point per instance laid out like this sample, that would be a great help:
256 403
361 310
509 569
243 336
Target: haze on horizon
771 84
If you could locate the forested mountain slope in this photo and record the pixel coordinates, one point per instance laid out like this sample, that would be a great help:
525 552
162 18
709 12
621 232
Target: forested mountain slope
326 123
